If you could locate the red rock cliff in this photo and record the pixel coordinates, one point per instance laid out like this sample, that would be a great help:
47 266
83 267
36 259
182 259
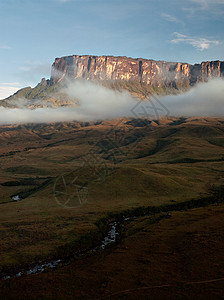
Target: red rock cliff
150 72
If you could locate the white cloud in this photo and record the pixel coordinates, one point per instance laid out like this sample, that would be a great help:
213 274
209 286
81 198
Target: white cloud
198 43
213 6
6 90
202 3
206 3
5 47
31 72
9 83
204 99
171 18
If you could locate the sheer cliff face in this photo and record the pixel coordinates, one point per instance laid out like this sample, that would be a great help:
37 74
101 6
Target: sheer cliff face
152 73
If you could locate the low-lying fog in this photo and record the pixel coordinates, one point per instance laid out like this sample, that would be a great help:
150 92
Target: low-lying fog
98 103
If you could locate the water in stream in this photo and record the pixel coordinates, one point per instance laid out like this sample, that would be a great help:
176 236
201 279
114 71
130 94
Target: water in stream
16 198
111 237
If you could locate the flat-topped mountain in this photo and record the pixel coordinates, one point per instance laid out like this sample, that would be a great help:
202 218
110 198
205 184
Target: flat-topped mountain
141 77
144 71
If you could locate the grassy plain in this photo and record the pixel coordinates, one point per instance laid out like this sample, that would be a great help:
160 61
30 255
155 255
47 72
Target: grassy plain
122 163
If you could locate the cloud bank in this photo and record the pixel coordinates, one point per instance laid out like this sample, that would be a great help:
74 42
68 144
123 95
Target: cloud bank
96 102
205 99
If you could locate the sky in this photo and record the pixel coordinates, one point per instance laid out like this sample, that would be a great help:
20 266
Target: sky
34 32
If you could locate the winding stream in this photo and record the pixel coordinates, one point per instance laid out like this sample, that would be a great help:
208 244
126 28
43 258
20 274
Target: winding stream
113 234
110 237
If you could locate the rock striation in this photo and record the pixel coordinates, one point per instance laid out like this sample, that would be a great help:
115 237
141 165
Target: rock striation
144 71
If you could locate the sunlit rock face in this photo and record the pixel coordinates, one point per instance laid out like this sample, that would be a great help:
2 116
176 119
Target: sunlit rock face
150 72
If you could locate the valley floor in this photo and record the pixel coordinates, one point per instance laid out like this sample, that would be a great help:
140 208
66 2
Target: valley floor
180 257
121 165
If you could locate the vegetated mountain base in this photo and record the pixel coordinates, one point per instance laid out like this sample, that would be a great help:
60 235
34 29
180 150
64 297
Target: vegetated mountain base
124 164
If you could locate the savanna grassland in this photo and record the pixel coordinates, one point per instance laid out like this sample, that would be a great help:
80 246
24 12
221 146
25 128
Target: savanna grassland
121 165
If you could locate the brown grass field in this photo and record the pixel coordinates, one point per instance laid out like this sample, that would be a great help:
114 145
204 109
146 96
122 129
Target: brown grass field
176 258
124 164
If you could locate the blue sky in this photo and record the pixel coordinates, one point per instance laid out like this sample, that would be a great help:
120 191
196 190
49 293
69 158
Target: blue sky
34 32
